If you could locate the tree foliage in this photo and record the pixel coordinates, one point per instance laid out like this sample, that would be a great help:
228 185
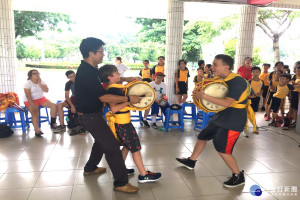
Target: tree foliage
274 24
196 34
29 23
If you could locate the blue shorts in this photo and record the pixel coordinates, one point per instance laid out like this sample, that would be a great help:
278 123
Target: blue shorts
155 108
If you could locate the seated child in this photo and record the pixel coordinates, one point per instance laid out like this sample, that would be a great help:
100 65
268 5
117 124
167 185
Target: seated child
265 77
272 89
257 86
124 130
146 72
282 90
200 74
161 90
70 99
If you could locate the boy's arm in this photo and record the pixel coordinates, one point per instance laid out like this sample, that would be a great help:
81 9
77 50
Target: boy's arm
117 107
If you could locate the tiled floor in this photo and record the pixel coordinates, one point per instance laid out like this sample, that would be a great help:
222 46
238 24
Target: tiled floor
51 167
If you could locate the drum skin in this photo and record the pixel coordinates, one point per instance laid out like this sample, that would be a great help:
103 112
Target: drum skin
142 88
214 88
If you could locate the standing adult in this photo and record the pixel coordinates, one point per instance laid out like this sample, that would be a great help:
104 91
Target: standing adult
90 96
159 67
245 70
121 66
225 126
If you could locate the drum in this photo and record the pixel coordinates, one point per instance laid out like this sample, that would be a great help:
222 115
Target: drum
213 88
144 90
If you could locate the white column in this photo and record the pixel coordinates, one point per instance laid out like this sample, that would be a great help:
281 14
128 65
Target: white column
7 48
244 47
174 37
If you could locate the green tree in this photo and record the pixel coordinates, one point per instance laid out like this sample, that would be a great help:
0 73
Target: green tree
274 24
196 34
230 49
30 23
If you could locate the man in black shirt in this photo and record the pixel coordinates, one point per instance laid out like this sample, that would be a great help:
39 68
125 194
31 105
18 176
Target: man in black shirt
90 96
225 126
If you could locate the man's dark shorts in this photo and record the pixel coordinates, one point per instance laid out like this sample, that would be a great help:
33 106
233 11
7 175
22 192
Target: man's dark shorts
223 139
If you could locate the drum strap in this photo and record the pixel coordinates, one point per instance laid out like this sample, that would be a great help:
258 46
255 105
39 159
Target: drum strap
243 97
112 118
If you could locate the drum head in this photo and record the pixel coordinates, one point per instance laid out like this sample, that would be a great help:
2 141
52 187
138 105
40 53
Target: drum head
142 89
217 90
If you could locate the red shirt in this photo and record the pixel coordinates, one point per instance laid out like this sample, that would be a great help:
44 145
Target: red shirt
245 72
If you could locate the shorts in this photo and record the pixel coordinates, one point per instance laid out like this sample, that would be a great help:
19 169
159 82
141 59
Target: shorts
73 100
275 104
223 139
128 137
265 91
155 108
38 102
182 87
270 97
255 103
147 80
294 100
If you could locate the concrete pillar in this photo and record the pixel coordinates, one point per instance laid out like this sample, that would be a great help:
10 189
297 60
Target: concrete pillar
7 48
174 37
244 47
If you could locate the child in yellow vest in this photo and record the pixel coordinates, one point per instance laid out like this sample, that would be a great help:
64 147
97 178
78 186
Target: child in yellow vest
181 79
272 89
257 86
200 74
265 77
207 71
295 95
282 90
124 130
146 72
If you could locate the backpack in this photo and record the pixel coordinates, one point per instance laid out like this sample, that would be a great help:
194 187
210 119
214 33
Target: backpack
5 131
72 120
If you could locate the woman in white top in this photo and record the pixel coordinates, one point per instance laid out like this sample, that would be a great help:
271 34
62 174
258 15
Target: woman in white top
121 66
34 97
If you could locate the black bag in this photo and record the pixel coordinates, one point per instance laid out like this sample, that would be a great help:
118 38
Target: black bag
175 107
5 131
72 120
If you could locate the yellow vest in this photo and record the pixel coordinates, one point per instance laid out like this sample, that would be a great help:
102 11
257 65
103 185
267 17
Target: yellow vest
146 73
183 75
256 86
159 68
265 78
297 81
282 92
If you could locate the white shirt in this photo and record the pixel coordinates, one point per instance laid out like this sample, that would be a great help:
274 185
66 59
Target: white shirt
121 69
36 90
159 89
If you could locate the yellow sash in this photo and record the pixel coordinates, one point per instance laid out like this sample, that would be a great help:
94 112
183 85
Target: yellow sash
243 97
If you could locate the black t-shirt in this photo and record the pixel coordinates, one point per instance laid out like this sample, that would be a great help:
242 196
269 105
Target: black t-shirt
233 118
88 89
70 86
115 91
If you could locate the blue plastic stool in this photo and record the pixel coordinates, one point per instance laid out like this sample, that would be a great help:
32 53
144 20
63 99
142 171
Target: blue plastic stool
41 117
105 110
11 120
136 117
180 119
192 115
204 117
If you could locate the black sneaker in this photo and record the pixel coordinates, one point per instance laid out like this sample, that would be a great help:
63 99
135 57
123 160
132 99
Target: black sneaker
235 181
263 108
130 171
55 129
149 177
146 124
273 123
187 162
293 125
154 126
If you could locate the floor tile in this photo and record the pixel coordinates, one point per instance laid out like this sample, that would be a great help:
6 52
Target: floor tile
93 192
15 194
56 178
278 165
18 180
26 166
50 193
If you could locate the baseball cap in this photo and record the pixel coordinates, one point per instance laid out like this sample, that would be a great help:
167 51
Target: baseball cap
159 74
